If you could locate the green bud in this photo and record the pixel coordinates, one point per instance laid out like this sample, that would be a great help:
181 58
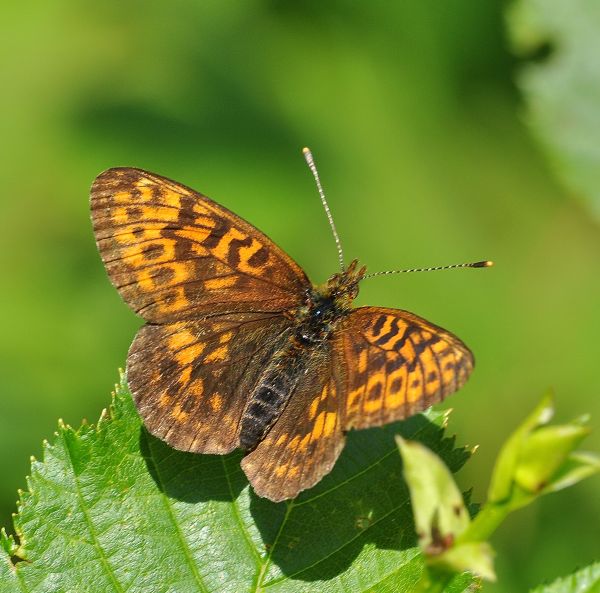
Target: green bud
538 459
543 453
502 479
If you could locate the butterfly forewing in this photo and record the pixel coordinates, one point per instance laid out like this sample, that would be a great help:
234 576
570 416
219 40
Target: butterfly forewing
397 364
174 253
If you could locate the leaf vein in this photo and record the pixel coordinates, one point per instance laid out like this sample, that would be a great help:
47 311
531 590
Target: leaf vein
90 524
263 571
169 508
238 519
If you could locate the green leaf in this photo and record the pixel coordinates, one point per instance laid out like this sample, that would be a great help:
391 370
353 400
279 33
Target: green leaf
537 459
578 466
438 506
441 516
112 509
586 580
563 91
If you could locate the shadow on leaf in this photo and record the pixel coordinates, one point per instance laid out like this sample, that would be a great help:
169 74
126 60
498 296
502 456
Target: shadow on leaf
362 502
190 477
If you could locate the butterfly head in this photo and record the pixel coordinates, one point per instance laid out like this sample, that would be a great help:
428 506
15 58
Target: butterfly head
343 286
327 304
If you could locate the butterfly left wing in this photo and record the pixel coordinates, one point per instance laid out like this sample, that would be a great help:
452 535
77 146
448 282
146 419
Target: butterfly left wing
397 364
306 440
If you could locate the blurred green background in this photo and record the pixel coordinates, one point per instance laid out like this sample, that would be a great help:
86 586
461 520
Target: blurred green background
416 124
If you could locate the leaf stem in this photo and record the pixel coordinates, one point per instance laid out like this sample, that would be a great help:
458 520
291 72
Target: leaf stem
485 523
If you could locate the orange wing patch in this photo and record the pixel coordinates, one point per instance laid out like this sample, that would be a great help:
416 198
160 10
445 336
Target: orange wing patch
173 253
397 365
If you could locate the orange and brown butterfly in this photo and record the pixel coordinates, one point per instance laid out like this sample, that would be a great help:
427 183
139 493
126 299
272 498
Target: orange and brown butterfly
241 350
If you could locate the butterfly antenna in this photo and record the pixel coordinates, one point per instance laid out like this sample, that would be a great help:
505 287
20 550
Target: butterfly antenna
477 264
310 161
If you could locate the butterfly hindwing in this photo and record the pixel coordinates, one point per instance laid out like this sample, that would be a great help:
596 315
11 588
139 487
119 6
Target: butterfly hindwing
306 440
191 380
173 253
397 365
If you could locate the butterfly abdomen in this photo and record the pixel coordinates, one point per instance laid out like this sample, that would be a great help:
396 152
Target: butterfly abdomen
270 396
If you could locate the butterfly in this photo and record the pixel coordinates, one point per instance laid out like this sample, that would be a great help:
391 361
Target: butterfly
241 350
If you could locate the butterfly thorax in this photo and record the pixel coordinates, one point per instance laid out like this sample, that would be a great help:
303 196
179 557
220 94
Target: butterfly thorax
309 339
326 305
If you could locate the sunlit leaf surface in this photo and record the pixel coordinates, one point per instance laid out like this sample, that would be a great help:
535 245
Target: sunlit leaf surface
586 580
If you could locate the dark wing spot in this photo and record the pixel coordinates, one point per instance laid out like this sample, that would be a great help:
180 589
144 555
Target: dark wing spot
233 254
171 298
153 251
377 360
215 235
259 258
134 212
394 329
393 364
375 392
377 327
165 275
187 205
396 385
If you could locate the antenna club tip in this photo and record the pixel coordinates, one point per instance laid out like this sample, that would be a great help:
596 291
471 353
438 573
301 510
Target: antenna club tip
482 264
308 157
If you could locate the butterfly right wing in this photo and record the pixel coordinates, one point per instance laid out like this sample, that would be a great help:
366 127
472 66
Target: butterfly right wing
191 379
172 253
